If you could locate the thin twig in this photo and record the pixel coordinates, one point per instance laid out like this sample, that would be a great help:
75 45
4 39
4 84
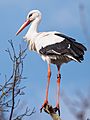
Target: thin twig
13 100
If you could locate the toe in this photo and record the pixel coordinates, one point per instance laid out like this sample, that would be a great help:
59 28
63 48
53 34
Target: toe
44 105
57 109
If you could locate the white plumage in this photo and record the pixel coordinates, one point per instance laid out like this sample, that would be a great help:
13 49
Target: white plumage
54 47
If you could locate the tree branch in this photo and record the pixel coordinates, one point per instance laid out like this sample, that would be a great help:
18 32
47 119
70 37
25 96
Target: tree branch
51 111
11 91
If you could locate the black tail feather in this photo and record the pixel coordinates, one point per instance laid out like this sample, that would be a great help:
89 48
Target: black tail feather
79 49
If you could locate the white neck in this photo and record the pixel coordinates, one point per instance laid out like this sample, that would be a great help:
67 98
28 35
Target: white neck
34 25
33 28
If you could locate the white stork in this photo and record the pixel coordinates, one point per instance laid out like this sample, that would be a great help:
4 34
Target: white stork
54 47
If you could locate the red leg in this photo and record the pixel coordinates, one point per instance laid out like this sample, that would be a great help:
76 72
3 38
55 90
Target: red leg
47 88
57 108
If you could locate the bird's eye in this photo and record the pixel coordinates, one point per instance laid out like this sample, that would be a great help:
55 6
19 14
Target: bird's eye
30 15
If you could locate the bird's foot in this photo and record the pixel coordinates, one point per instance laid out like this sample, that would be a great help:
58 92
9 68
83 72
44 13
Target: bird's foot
44 105
57 109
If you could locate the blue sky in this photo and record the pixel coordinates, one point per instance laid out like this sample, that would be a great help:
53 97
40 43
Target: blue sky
57 15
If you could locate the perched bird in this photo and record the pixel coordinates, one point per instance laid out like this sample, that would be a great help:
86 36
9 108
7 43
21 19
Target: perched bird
53 47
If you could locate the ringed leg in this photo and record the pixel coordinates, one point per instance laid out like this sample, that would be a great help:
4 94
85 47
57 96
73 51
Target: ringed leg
47 88
57 108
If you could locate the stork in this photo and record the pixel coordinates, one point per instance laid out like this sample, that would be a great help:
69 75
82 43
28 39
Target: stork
53 47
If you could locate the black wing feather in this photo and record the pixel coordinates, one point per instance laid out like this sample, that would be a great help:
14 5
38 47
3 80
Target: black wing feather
65 36
68 46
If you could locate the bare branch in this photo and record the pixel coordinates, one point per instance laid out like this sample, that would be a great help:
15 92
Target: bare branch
26 113
11 87
78 107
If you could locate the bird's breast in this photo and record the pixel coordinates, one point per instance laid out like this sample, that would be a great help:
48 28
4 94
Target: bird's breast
32 45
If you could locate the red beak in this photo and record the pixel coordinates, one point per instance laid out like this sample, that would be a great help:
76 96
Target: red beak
26 23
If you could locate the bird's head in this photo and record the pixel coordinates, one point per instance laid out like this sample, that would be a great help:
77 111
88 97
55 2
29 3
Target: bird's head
32 15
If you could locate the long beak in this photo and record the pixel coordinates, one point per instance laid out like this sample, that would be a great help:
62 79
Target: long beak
26 23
